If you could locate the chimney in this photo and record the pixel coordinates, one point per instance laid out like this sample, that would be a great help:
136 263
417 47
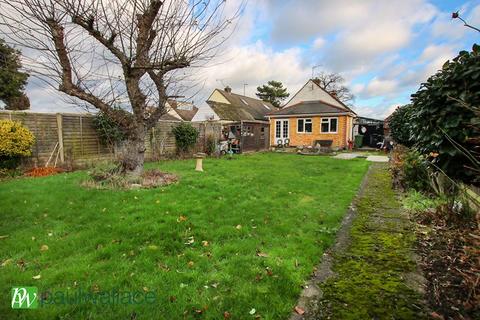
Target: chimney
316 81
334 94
228 89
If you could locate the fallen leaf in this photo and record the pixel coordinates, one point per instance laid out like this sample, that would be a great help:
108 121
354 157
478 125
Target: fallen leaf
44 247
33 238
4 237
181 219
205 243
173 298
226 315
36 277
50 234
299 310
145 289
262 254
104 209
252 312
190 264
239 226
153 247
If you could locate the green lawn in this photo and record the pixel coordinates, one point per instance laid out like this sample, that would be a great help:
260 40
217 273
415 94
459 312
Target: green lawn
285 206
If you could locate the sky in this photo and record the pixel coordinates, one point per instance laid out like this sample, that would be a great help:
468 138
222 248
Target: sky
384 49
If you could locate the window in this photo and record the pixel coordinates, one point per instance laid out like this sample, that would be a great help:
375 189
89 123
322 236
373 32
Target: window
304 125
278 129
329 125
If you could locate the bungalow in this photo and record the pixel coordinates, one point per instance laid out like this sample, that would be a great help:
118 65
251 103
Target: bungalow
312 114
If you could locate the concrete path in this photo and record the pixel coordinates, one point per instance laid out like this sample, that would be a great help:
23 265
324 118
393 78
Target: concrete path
377 158
347 156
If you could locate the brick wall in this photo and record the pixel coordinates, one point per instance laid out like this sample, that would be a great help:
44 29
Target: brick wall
297 139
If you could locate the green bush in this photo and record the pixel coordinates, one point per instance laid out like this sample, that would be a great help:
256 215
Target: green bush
185 137
15 142
416 172
210 145
400 126
445 116
108 130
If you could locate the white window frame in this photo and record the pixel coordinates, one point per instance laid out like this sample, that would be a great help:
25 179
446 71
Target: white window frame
304 121
329 119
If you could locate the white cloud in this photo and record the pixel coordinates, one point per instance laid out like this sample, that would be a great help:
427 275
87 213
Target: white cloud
318 43
380 87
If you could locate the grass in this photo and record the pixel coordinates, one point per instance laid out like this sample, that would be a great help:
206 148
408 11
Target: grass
372 273
286 207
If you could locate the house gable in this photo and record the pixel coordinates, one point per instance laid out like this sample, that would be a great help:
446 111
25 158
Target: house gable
216 96
313 92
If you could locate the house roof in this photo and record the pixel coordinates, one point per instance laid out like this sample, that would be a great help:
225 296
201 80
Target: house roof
232 112
241 107
185 114
334 97
310 108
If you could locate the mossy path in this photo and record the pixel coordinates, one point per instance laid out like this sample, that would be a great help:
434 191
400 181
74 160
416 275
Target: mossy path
372 272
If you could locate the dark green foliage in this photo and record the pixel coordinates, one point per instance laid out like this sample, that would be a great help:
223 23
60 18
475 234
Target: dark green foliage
109 131
210 145
185 136
273 92
445 112
416 171
399 124
12 81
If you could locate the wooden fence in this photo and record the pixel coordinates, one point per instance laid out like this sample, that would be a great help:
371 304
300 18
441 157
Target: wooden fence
69 139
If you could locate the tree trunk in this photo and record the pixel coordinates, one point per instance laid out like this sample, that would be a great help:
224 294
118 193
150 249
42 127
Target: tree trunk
133 154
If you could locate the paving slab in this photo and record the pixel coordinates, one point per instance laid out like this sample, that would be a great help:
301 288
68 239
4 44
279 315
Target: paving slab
377 158
347 156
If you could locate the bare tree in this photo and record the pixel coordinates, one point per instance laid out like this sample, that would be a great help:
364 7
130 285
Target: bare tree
333 84
123 57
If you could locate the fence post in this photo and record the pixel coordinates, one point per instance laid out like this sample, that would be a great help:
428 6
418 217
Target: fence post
60 137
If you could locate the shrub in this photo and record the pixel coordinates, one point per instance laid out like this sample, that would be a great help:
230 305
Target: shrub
210 145
416 171
410 170
400 126
15 142
445 117
185 137
108 130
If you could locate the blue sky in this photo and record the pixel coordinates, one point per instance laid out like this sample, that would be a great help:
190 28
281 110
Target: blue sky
384 49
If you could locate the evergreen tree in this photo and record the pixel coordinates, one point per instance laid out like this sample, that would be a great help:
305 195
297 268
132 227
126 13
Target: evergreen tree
273 92
12 80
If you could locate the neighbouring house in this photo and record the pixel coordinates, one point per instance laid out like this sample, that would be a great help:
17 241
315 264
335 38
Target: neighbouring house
180 110
244 118
310 116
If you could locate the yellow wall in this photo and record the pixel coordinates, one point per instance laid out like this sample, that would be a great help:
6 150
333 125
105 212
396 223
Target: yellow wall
218 97
307 139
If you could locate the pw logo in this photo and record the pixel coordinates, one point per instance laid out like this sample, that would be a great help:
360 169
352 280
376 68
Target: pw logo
24 298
